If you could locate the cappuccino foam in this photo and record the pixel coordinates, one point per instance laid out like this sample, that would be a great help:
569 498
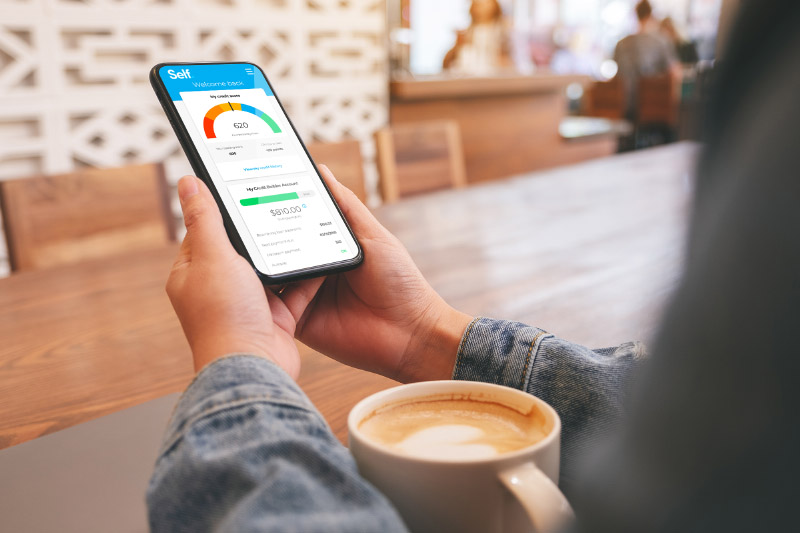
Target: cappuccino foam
454 428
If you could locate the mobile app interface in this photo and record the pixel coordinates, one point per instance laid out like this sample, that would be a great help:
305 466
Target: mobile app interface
268 184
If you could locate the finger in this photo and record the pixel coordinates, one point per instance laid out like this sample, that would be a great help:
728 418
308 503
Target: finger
298 295
204 228
184 254
360 218
280 315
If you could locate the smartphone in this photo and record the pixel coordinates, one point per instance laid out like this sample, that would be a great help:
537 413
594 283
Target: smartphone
278 212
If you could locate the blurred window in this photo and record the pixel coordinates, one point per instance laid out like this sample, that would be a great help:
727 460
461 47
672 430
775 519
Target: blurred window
567 36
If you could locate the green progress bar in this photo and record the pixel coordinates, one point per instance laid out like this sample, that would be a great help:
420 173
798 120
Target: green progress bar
270 199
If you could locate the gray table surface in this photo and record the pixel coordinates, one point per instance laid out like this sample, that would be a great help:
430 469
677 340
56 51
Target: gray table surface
88 478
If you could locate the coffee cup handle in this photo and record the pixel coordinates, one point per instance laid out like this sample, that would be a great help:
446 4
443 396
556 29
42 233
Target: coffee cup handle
546 506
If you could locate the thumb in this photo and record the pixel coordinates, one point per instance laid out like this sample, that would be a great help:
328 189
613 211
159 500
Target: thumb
364 224
204 229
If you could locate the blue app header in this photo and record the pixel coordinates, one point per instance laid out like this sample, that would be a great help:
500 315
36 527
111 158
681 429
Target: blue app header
211 77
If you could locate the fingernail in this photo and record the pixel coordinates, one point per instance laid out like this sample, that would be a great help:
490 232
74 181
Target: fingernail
187 187
328 172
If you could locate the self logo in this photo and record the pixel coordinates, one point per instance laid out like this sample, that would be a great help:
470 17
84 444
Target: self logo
183 74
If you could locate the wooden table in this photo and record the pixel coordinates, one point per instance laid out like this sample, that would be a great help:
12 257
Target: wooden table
587 252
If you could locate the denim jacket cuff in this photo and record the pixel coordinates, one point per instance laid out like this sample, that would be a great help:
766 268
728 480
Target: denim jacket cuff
498 351
234 380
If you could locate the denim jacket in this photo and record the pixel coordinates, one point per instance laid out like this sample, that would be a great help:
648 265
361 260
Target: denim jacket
246 450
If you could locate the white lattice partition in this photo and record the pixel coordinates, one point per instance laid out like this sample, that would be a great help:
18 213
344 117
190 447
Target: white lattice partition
73 74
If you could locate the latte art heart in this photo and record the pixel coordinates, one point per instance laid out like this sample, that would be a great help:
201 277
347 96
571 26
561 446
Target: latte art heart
450 440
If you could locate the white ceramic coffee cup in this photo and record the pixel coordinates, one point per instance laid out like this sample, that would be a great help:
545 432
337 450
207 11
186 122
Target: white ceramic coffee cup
511 492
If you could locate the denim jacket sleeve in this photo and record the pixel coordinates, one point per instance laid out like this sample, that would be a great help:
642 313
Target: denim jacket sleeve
246 450
586 387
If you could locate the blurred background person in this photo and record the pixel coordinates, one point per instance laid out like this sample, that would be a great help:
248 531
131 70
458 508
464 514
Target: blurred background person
483 47
685 50
646 53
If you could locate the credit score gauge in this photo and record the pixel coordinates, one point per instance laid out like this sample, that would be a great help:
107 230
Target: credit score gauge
216 111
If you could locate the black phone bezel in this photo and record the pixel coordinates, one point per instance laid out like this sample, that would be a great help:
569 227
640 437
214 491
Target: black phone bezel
200 170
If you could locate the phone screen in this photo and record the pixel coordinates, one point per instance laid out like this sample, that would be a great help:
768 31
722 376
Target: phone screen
267 183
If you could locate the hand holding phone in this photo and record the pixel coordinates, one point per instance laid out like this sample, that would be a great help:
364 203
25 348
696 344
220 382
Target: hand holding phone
278 213
231 312
383 317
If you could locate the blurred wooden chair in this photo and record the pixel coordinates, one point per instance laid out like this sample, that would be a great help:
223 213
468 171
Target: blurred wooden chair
419 157
56 220
344 160
605 99
657 111
658 101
